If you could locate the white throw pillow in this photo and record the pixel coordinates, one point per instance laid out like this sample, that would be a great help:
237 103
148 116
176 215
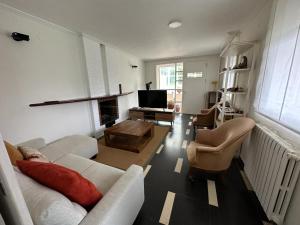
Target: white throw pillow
48 207
32 153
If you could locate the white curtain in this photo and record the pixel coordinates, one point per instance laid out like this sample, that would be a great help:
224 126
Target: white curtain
291 107
280 86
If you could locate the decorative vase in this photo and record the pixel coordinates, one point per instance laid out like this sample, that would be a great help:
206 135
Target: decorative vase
171 104
177 108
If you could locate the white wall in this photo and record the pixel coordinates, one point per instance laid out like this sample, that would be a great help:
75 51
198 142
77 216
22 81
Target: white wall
212 70
51 66
119 71
48 67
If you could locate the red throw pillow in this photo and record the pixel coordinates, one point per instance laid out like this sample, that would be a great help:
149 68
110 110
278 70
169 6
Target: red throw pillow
66 181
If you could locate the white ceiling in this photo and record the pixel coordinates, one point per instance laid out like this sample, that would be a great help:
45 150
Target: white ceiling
140 27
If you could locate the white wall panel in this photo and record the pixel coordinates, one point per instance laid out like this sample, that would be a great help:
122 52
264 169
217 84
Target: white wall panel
94 67
93 59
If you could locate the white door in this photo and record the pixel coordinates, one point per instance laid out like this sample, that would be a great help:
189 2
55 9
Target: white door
194 87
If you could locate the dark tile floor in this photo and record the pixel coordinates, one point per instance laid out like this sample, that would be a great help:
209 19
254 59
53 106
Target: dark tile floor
237 206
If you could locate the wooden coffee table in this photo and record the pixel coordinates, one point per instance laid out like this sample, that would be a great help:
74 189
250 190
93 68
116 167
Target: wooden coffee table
129 135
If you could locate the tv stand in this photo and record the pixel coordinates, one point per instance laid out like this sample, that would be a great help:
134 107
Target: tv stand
167 115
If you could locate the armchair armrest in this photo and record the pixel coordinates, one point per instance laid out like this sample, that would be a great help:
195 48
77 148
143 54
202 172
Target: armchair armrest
208 149
205 119
202 120
121 204
204 111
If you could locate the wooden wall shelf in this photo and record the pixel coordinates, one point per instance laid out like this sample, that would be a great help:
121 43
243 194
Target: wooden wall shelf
99 98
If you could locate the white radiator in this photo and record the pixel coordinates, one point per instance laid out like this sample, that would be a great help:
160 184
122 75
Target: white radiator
272 167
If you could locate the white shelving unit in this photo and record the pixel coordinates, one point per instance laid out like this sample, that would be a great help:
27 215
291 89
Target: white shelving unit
235 103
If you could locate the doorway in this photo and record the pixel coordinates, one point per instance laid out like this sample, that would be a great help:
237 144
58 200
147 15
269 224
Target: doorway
170 78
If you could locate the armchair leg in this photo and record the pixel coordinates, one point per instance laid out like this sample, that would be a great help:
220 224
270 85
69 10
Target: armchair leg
195 131
191 176
191 179
223 177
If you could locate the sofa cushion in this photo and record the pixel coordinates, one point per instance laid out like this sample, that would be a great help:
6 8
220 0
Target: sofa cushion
46 206
64 180
77 144
75 162
101 175
13 153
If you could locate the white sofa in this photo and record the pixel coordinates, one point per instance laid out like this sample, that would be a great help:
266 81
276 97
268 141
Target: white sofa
123 190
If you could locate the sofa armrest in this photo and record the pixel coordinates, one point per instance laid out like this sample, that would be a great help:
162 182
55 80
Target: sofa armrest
36 143
122 203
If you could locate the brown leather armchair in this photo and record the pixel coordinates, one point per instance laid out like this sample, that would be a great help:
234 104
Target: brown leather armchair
205 118
214 149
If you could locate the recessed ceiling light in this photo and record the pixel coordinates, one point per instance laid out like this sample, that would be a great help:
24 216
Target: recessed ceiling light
175 24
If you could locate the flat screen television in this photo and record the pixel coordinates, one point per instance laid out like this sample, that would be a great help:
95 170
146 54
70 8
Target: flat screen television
153 98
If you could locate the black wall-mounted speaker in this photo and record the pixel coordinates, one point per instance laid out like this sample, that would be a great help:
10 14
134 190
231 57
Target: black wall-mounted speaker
20 37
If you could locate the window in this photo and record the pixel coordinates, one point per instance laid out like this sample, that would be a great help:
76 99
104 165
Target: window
170 78
279 96
195 75
167 77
